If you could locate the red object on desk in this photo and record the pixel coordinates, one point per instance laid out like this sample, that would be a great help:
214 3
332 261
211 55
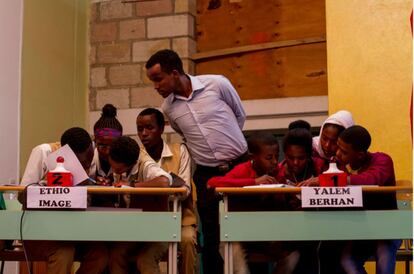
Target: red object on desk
333 177
59 176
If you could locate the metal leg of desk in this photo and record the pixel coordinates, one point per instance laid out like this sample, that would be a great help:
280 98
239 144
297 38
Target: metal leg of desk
228 247
172 258
226 257
172 247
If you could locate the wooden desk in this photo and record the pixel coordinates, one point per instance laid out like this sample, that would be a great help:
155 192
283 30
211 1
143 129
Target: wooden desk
320 225
122 225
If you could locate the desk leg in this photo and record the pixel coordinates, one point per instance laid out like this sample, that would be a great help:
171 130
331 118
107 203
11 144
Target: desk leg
174 266
170 258
231 258
226 257
228 246
172 247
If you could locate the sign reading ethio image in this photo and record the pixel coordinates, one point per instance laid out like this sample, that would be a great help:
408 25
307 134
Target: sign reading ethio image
56 197
331 196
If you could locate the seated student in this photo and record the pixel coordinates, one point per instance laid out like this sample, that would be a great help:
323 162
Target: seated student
60 255
299 124
299 167
261 169
173 158
366 168
133 167
106 130
325 145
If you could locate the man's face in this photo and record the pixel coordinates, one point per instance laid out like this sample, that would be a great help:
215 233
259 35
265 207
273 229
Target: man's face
329 139
103 145
148 130
347 155
164 83
296 158
119 168
266 161
85 158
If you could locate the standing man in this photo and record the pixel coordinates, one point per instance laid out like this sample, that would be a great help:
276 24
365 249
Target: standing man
172 158
207 112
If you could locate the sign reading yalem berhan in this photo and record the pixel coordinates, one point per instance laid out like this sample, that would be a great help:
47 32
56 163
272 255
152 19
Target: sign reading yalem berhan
332 196
56 197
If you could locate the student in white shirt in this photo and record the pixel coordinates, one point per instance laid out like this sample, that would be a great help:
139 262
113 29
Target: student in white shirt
59 254
173 158
133 167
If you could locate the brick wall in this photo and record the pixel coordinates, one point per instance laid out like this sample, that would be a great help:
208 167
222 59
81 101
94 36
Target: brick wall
122 38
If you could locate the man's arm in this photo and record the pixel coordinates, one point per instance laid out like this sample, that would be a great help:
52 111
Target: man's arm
36 166
231 97
184 171
153 175
378 173
160 181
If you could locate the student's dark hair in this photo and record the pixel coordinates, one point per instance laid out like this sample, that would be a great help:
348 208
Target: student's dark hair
299 137
158 115
257 140
299 124
357 136
168 59
338 127
77 138
108 119
124 150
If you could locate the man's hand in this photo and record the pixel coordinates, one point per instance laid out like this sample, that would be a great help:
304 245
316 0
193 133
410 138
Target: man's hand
309 182
265 179
121 183
102 181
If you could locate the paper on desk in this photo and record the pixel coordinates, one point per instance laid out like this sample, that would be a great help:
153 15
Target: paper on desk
71 163
268 186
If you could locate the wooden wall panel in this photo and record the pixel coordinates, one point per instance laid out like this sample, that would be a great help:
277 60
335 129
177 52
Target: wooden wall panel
246 22
285 72
273 73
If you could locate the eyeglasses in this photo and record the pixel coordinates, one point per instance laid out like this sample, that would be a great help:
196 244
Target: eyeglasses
102 146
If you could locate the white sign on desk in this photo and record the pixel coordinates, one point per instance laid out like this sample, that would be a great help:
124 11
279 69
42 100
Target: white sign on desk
332 196
56 197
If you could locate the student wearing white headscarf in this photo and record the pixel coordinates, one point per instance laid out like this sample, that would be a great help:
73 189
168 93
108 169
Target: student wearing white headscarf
325 145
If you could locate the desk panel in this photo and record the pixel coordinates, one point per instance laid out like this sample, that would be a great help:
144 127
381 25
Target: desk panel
321 225
92 225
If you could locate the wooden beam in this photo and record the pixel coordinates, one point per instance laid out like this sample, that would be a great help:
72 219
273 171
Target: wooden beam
256 47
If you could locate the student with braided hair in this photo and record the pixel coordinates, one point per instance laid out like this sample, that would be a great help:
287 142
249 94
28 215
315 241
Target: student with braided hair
106 130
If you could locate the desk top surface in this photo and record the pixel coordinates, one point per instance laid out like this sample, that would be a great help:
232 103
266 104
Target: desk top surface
113 190
246 191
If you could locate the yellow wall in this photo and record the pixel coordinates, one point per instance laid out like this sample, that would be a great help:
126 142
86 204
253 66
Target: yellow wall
54 71
369 47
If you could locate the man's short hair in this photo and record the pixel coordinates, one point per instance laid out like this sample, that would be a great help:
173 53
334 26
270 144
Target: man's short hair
77 138
298 137
257 140
357 136
168 59
159 117
124 150
299 124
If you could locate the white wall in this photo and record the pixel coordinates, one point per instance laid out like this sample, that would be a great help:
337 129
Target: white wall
11 12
